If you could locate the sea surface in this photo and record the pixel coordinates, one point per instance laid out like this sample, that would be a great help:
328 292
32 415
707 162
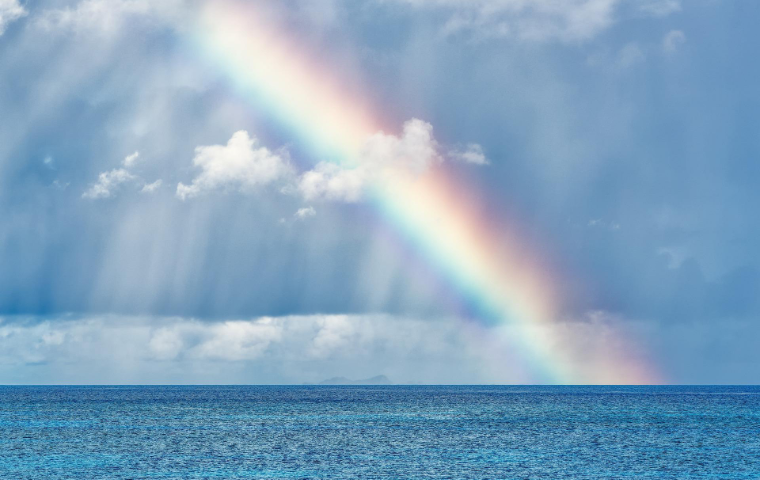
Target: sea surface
337 432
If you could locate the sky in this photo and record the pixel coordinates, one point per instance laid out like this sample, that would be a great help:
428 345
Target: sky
439 191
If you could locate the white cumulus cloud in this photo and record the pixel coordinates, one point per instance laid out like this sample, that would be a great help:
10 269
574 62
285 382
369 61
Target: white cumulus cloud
381 156
305 212
328 181
151 187
10 11
471 153
415 150
108 183
130 160
241 165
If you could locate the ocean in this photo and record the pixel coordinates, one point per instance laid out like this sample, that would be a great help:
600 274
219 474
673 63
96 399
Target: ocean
399 432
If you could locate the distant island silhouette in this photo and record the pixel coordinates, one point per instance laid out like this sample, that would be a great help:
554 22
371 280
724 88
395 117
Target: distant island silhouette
376 380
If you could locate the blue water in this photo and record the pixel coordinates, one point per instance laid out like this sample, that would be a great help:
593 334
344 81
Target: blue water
379 432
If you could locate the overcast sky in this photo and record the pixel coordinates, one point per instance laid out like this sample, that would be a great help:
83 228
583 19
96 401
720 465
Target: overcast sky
157 226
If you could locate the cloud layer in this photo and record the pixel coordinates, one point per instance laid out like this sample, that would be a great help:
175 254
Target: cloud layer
292 349
296 349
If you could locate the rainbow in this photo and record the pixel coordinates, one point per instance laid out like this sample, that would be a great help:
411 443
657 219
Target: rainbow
488 269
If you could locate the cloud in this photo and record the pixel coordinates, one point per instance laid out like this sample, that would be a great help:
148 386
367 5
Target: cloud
328 181
241 165
130 160
539 20
166 343
306 212
472 153
676 255
151 187
108 183
672 41
107 17
309 348
415 150
10 11
599 223
60 185
381 157
630 55
660 8
536 20
233 340
288 349
337 332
